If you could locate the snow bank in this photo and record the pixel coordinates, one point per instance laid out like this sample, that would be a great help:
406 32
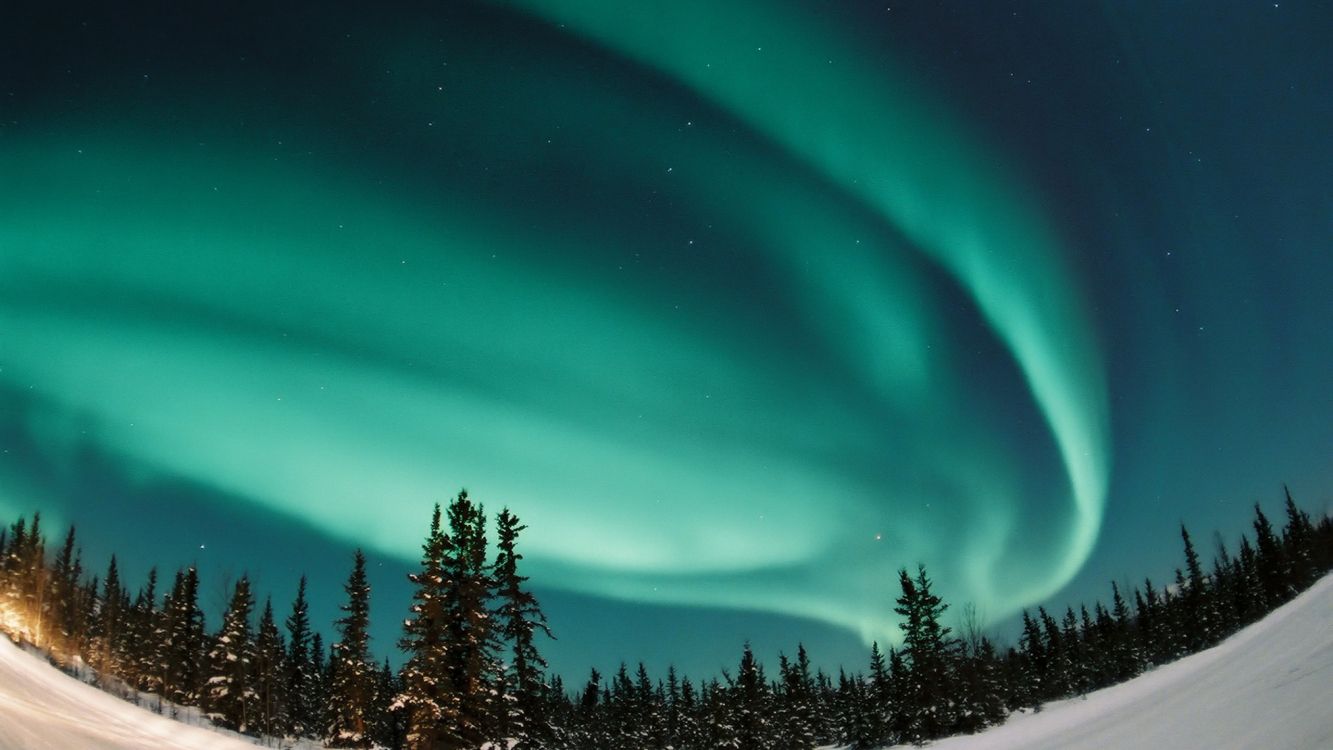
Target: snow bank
1269 686
42 707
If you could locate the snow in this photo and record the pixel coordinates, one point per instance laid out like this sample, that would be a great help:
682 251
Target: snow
1268 686
42 708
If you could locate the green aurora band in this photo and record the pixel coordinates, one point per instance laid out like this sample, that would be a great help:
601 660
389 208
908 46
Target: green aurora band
346 353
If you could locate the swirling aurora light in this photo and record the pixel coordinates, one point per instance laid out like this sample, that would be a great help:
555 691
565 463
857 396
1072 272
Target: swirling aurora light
299 335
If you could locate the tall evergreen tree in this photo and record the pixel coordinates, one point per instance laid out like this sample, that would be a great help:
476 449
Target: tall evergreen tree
1033 665
928 705
1198 626
749 704
299 708
230 697
1298 545
795 712
1124 652
109 620
1271 563
470 659
352 686
429 704
520 620
64 587
878 698
144 639
270 673
319 682
183 651
385 725
983 696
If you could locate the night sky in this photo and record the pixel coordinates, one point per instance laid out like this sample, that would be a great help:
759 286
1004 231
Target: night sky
741 306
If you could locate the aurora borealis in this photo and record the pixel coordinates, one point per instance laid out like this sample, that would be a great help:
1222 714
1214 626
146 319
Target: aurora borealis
740 306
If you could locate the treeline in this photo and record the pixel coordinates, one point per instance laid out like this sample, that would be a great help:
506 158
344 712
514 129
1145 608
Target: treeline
473 674
474 677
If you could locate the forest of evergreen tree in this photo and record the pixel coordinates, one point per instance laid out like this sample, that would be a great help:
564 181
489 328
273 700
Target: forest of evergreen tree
473 676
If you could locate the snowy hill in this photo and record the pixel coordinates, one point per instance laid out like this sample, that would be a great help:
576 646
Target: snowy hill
1269 686
42 708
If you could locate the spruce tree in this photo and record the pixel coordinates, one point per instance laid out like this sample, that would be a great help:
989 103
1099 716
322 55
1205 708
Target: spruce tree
795 713
429 703
230 698
982 694
928 707
1249 589
1298 545
1271 563
352 685
109 620
144 637
1125 656
878 697
1034 665
750 701
64 586
1199 628
691 731
183 651
470 659
386 729
299 708
319 683
520 620
270 672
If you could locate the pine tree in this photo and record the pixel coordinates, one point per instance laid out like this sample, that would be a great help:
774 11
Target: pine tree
590 730
183 651
428 702
1034 664
1199 629
1057 658
623 710
1271 563
270 671
1076 656
796 699
64 586
1126 658
1225 591
230 698
690 734
319 683
299 708
717 716
352 686
470 660
109 619
1298 545
1154 632
750 700
386 728
982 690
1249 589
928 706
520 619
144 637
878 698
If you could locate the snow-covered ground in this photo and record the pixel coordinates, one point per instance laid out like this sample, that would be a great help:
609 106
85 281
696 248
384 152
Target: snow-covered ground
42 708
1269 686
